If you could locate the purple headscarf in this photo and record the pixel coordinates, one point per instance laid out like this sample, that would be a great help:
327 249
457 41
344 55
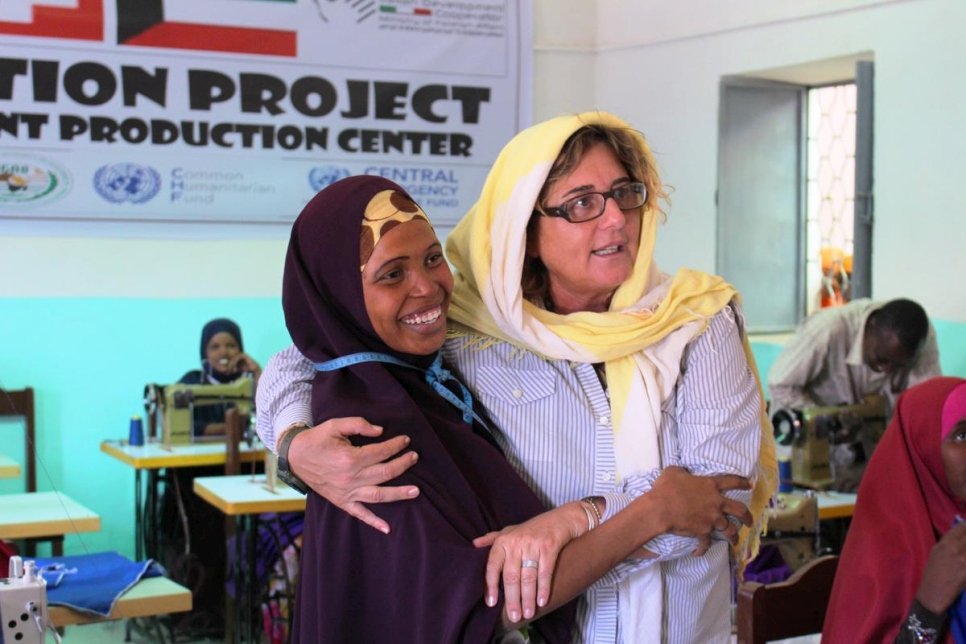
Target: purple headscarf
424 581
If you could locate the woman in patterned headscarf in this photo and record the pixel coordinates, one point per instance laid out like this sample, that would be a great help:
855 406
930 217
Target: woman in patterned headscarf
365 293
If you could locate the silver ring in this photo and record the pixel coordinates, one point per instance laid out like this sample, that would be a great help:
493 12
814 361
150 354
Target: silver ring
530 563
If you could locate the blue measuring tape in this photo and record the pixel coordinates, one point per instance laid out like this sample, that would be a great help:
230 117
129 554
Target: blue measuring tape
436 375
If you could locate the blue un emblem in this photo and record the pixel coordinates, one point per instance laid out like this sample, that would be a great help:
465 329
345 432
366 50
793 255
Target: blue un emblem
127 182
324 176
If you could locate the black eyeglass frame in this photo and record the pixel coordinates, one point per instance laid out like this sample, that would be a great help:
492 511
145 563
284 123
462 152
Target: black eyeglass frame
637 187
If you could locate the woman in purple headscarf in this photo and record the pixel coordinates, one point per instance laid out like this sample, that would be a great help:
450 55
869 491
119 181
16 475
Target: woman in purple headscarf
365 294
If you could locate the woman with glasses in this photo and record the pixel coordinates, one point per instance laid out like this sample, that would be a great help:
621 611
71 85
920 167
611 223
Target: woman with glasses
597 370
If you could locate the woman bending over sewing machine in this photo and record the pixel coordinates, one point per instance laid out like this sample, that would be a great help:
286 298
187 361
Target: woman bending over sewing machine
223 360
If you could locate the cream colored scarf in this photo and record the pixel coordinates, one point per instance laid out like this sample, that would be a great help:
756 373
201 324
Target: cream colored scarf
640 339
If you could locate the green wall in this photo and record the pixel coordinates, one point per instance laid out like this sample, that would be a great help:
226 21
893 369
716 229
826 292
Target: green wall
88 360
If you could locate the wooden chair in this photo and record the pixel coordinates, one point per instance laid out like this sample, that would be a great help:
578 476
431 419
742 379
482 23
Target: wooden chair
20 402
789 608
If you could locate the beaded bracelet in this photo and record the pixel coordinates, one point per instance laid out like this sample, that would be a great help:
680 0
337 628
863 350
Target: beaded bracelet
592 502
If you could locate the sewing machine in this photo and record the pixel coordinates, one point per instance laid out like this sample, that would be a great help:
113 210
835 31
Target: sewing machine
813 431
174 406
793 528
23 605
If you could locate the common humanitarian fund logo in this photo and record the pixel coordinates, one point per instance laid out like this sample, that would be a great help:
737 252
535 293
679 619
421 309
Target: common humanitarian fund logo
127 182
324 176
26 180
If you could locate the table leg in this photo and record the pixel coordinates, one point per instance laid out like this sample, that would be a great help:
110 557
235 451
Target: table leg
252 581
138 517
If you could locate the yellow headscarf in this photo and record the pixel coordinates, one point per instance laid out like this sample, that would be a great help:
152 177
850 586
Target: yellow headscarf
650 321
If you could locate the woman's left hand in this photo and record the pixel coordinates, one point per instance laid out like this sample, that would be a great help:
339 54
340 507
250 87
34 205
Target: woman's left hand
525 556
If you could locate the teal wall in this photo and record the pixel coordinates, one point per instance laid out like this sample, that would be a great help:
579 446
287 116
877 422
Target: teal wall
88 360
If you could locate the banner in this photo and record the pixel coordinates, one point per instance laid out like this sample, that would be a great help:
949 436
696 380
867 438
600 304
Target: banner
241 110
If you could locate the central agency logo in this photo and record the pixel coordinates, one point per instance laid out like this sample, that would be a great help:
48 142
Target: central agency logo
127 182
27 180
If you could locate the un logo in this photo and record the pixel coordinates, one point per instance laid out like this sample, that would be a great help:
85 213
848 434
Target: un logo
324 176
127 182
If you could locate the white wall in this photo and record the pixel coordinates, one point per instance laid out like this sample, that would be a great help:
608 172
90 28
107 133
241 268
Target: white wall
675 55
920 57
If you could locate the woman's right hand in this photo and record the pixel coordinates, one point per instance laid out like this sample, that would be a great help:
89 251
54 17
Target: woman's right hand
695 506
944 577
348 476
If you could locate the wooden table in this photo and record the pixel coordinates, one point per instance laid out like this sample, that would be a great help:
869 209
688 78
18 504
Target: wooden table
243 498
44 516
246 494
835 505
156 456
148 597
9 468
152 457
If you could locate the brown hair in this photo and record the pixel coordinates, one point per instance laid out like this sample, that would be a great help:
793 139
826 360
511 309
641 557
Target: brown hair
637 160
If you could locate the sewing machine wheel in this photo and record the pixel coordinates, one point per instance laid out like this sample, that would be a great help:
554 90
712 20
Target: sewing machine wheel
151 396
787 424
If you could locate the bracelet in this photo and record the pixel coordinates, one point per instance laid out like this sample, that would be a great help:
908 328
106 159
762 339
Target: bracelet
920 633
592 502
590 516
922 624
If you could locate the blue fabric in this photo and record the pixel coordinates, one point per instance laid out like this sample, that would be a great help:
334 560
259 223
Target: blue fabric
93 583
957 619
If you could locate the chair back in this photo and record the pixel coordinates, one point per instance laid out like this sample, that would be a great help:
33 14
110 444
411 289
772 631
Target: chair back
789 608
20 402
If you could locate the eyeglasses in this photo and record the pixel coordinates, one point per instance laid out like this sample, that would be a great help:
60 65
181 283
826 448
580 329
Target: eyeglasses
591 205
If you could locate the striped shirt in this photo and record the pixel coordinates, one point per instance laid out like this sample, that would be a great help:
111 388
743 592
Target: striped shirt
554 424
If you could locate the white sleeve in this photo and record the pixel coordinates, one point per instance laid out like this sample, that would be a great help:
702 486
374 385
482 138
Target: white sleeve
284 394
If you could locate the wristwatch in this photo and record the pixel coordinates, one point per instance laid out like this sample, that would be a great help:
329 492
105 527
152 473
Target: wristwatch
285 472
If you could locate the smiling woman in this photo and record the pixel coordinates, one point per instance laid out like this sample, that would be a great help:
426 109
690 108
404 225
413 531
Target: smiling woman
365 295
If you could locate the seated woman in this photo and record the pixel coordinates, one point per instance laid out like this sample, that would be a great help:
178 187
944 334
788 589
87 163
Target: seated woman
223 360
365 295
903 567
193 535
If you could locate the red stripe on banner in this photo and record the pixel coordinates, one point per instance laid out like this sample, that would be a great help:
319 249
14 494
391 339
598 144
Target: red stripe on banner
86 22
183 35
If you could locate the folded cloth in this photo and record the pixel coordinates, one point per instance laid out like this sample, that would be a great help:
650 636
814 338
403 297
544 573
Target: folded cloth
93 583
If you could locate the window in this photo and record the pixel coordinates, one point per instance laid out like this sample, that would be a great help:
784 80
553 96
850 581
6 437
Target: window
829 195
794 186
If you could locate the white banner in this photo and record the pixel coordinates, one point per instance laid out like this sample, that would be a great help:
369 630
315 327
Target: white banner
241 110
